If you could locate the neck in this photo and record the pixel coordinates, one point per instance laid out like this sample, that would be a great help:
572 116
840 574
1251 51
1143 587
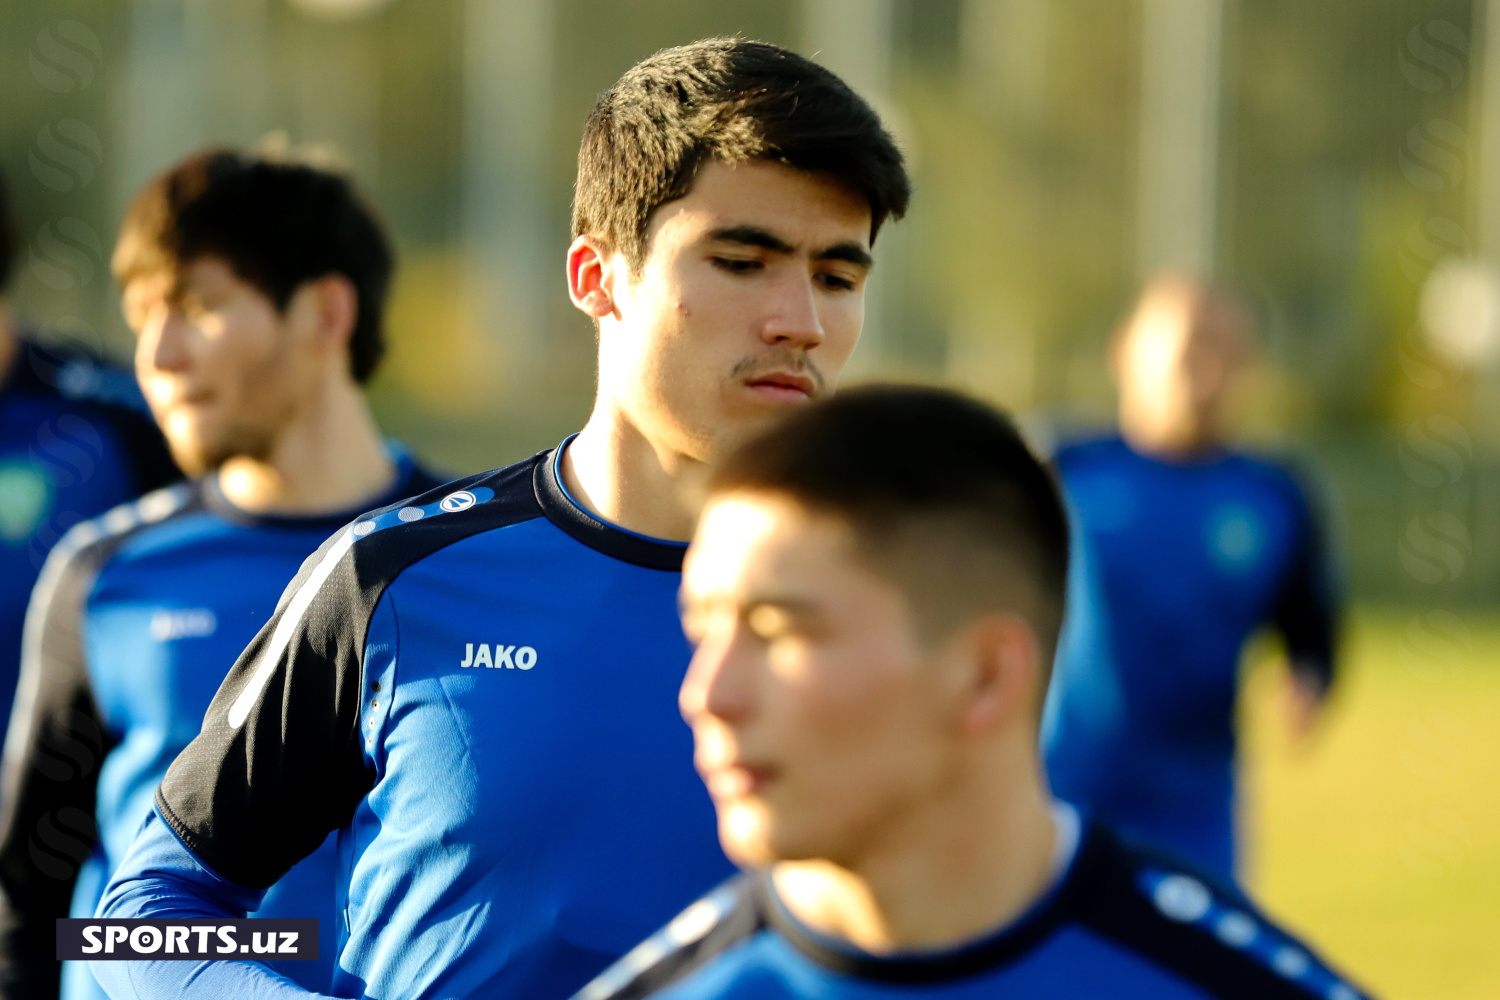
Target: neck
620 475
961 870
328 459
1182 441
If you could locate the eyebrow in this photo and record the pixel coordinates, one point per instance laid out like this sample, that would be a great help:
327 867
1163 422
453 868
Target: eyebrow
754 236
850 253
792 605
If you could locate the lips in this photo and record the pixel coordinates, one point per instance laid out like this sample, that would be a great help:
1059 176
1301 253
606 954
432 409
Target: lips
783 385
738 780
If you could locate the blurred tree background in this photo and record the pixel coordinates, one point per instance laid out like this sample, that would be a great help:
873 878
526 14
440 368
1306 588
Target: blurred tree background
1337 162
1343 160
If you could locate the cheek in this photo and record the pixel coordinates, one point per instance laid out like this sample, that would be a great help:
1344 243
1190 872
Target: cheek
859 727
842 318
244 349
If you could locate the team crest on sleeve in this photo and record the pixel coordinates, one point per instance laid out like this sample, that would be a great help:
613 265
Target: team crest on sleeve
455 502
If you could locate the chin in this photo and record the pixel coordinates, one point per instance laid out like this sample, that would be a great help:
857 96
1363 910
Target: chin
746 836
191 456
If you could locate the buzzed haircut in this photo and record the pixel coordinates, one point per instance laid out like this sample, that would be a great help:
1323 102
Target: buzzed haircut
7 237
731 100
944 498
278 223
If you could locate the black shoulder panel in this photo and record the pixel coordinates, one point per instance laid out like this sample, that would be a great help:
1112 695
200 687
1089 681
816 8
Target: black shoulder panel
1206 933
278 763
730 914
57 742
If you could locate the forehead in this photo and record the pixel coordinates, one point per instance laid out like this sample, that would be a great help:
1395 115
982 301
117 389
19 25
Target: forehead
801 207
746 541
1183 322
203 273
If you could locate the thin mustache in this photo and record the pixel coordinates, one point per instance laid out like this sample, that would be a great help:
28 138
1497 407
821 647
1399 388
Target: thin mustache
797 363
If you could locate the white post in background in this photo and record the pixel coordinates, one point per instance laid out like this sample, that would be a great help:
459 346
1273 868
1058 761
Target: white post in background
508 65
855 39
1181 59
240 57
162 115
1003 55
1487 248
994 340
1487 194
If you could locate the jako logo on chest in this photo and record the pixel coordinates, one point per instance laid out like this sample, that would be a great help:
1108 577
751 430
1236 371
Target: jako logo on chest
498 656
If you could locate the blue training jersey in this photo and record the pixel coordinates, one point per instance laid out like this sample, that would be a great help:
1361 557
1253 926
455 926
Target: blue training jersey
478 690
136 620
75 440
1119 923
1188 561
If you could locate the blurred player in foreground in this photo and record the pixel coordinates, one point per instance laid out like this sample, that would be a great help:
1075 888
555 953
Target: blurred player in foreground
75 440
476 688
875 591
1194 547
255 289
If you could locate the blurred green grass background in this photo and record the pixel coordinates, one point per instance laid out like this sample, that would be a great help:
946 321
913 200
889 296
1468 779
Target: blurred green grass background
1379 838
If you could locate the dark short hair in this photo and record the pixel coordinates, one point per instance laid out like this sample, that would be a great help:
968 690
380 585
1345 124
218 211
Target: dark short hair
732 100
7 237
277 223
940 490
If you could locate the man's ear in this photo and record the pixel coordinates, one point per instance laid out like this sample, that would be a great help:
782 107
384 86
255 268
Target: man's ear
591 277
337 305
1004 667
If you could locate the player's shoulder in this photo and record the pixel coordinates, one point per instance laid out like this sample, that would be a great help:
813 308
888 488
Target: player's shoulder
1079 453
1196 926
78 376
94 540
385 541
88 546
1287 477
725 917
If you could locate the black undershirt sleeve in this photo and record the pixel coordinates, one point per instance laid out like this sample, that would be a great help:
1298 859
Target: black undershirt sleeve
56 744
277 765
1307 607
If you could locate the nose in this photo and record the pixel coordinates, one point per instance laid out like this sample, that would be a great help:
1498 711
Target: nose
717 684
163 342
795 320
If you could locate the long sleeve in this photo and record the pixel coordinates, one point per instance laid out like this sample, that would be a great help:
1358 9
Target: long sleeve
54 748
276 767
160 877
1308 606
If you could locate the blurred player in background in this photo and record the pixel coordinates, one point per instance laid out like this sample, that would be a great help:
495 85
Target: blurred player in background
75 440
875 591
1194 547
255 288
477 687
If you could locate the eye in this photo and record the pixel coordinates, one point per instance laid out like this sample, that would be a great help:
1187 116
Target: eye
836 282
193 306
768 623
737 265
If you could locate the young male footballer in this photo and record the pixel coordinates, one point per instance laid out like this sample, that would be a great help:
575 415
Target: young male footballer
255 288
875 591
476 687
1196 547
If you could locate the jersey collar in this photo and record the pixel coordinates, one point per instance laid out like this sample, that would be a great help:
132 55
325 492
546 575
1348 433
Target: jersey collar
595 532
1078 854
